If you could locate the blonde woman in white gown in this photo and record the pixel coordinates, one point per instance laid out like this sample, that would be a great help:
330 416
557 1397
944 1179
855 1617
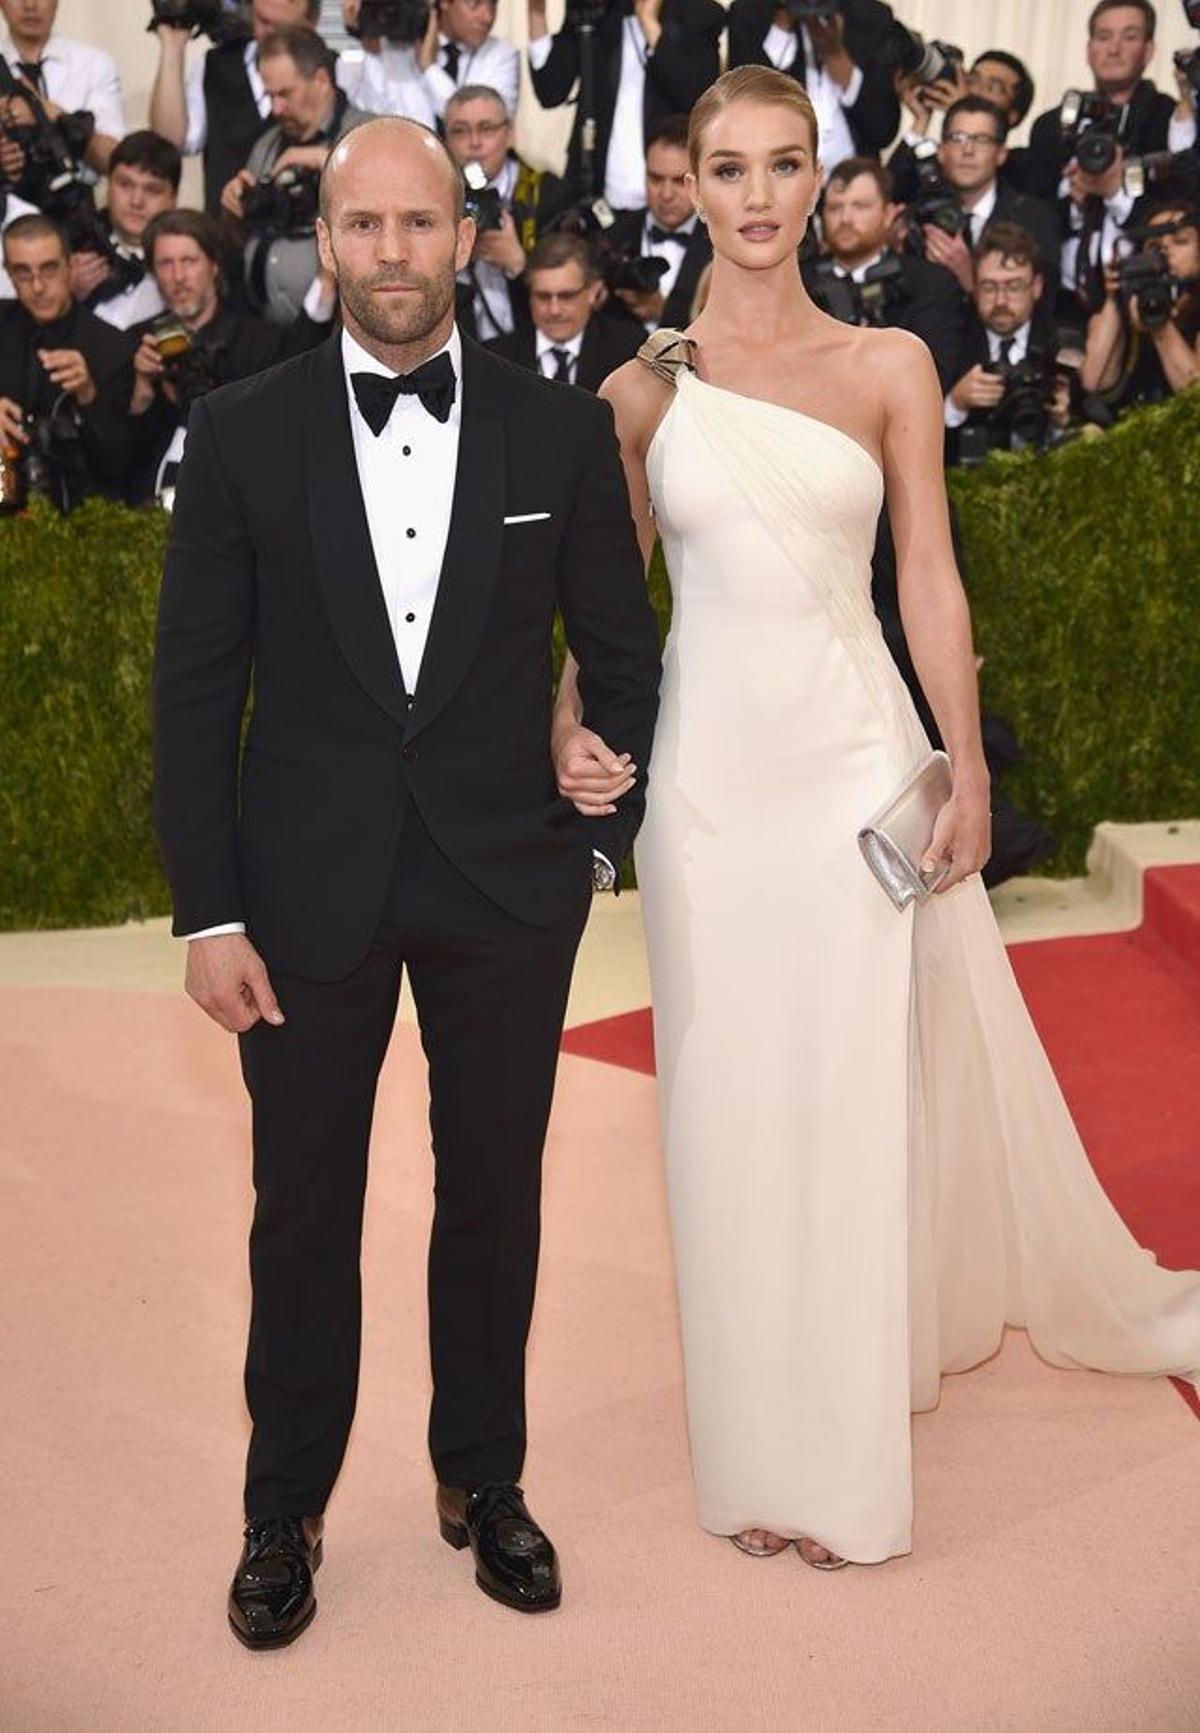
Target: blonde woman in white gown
871 1168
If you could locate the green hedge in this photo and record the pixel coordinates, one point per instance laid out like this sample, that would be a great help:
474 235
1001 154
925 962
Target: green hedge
1084 571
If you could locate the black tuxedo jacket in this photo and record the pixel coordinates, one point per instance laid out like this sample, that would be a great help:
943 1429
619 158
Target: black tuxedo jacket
270 574
607 344
234 123
686 61
625 236
1146 129
98 461
875 117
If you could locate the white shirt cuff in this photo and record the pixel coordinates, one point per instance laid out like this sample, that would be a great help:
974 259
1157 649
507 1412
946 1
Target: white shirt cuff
213 932
319 302
1181 134
853 90
954 415
539 52
1119 206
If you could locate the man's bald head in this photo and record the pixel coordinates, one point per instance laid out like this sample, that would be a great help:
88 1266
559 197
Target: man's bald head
386 150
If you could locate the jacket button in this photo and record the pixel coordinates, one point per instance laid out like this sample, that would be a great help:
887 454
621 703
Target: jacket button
409 754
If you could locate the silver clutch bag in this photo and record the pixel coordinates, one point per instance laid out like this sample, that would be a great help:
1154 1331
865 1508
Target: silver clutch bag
895 840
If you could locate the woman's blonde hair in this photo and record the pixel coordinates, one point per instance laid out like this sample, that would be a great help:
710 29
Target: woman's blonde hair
748 84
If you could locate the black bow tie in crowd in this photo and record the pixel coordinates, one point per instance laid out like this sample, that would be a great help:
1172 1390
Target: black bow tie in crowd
434 383
657 236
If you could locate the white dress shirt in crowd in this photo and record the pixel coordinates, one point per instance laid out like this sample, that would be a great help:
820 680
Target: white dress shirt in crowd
492 305
547 358
835 142
859 273
625 169
143 301
75 75
980 213
495 63
406 475
672 251
1103 241
197 106
1018 349
390 82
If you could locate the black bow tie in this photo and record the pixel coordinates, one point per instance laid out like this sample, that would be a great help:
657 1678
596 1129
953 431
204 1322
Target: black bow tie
657 235
434 383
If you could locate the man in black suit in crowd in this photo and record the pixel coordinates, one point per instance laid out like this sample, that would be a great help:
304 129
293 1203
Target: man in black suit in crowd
653 58
380 534
569 339
491 290
666 228
1119 51
857 219
835 56
970 160
222 108
65 376
183 255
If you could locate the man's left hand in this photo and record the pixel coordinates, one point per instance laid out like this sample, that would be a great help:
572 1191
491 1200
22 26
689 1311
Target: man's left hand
68 370
829 43
502 247
952 252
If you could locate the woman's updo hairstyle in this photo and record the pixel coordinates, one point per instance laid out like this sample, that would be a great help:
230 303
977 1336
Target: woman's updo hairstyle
748 84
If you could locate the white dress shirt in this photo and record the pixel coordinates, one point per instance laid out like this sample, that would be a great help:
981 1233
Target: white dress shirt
406 476
197 106
75 75
547 360
1018 343
981 211
495 63
390 82
835 141
492 305
143 301
672 251
625 169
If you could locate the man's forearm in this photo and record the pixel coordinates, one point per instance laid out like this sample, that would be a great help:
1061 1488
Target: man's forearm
168 97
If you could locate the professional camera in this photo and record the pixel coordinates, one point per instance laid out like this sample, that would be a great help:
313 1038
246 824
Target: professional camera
589 218
936 203
191 364
902 51
51 460
220 20
1092 128
481 202
865 303
285 206
632 271
1172 171
1021 419
395 20
1146 278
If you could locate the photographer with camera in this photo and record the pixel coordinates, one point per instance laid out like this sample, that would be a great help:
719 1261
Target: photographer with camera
960 194
65 376
511 204
647 59
1144 343
1009 393
418 54
74 82
273 200
831 48
862 280
666 229
197 344
221 106
569 339
997 76
108 271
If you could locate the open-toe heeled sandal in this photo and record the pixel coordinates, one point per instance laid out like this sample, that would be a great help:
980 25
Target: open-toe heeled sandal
832 1563
743 1545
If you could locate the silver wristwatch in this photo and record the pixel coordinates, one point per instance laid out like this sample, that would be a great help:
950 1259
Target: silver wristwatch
604 873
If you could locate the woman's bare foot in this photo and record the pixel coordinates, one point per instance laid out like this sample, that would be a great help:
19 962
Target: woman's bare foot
760 1542
818 1556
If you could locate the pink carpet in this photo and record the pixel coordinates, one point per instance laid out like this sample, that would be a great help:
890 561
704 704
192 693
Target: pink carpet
1053 1583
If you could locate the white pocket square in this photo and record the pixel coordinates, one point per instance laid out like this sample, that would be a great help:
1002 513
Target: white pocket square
528 517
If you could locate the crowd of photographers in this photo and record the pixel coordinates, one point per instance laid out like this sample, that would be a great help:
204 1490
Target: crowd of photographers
1055 285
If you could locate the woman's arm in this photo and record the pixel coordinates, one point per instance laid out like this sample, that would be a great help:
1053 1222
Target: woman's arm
588 773
1106 341
933 605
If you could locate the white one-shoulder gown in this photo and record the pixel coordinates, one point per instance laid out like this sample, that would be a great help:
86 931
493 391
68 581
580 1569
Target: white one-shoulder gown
871 1167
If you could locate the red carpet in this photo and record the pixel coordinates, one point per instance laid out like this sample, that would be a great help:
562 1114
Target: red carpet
1120 1018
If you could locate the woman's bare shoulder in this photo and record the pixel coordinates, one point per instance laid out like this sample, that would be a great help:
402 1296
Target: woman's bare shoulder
640 399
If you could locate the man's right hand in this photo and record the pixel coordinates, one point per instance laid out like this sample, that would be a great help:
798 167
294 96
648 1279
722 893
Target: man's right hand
228 979
235 191
88 271
978 389
12 423
147 371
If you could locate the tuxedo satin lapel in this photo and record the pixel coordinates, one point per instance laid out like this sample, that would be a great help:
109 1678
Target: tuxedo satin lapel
472 560
345 559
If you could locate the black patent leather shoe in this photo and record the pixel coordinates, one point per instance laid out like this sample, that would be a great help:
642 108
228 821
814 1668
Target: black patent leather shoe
514 1561
271 1597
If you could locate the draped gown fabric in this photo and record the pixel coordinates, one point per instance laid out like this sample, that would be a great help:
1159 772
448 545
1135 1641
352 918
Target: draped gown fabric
871 1168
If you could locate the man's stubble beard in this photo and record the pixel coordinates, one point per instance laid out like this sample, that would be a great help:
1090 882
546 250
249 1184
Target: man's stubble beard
403 319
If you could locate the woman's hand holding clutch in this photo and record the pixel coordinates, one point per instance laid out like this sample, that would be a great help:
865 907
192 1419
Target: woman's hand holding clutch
963 832
588 773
